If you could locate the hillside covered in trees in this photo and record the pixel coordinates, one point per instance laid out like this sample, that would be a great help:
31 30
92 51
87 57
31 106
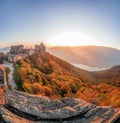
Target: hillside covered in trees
46 75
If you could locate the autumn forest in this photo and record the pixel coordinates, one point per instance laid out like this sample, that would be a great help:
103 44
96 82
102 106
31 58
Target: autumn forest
47 75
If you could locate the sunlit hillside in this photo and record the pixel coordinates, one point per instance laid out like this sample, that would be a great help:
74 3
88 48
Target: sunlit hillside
46 75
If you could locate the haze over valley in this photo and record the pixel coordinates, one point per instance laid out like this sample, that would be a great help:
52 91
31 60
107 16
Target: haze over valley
91 58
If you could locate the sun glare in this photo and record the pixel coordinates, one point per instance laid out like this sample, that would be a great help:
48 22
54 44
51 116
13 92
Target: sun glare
71 38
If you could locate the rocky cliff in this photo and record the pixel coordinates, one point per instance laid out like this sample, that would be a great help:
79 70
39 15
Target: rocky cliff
26 108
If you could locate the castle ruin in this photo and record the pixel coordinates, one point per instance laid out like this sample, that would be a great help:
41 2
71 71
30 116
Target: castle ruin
19 52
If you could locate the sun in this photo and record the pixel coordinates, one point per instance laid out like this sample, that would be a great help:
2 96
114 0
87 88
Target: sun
70 38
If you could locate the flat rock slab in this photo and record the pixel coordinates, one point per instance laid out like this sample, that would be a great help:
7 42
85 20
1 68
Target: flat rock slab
67 110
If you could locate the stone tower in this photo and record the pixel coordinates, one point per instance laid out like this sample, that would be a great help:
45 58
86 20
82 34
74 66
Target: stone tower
40 49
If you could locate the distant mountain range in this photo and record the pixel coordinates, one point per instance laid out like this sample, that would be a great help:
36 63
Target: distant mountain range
93 56
5 50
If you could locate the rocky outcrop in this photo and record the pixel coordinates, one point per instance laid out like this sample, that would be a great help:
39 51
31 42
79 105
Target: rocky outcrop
45 110
10 117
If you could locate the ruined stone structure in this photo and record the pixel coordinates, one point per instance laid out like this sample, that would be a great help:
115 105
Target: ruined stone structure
27 108
2 76
13 57
19 49
18 52
40 49
2 57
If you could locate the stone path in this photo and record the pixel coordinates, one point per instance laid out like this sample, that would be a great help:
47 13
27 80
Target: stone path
11 80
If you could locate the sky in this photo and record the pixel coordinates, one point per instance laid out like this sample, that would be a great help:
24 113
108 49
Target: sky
60 22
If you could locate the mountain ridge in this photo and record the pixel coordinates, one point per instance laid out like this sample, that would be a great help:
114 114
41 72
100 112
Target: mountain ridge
96 56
